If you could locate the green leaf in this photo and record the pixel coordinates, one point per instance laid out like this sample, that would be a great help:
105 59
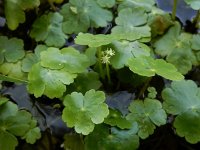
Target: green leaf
152 92
28 61
33 134
48 82
7 109
115 119
125 50
147 66
183 99
83 112
7 141
106 3
91 54
11 79
79 15
13 71
48 28
194 4
147 114
101 138
84 82
145 4
177 48
195 42
32 58
3 100
14 122
94 40
131 24
11 50
18 7
68 59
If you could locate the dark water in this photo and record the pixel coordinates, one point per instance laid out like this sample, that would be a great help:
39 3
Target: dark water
183 12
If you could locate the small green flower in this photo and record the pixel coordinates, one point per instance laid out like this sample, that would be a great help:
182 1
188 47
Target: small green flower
110 52
105 59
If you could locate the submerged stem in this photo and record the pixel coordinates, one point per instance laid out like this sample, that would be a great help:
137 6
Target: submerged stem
174 10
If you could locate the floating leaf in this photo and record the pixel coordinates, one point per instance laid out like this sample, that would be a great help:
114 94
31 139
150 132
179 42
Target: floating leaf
79 15
49 82
194 4
195 42
146 4
115 119
147 114
147 66
48 28
13 70
125 50
83 112
11 50
101 138
68 59
18 7
14 122
106 3
94 40
32 58
84 82
177 48
131 24
183 99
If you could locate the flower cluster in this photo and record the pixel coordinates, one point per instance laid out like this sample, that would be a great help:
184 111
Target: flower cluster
106 55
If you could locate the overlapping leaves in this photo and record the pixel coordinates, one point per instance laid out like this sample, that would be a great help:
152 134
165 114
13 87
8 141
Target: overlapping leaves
125 50
101 138
147 114
14 11
83 112
194 4
14 122
56 69
79 15
177 47
183 99
11 50
147 66
131 24
48 28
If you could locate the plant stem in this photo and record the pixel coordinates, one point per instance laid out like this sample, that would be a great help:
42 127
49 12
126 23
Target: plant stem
100 64
144 87
52 5
108 73
174 10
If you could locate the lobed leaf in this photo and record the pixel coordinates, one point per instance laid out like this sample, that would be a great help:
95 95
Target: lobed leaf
147 66
131 24
11 50
83 112
18 7
147 114
101 138
48 82
79 15
48 28
183 99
